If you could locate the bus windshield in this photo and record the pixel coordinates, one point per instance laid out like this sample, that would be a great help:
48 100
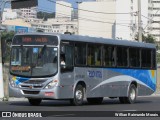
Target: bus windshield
34 61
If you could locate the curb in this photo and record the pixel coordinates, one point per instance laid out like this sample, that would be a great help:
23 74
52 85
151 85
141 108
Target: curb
17 99
155 94
12 99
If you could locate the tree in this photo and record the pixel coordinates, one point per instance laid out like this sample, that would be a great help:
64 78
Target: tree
147 39
6 40
45 16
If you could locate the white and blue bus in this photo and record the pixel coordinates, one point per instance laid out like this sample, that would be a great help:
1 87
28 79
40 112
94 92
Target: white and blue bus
92 68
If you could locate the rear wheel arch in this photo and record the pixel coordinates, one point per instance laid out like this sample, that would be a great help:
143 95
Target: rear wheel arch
135 84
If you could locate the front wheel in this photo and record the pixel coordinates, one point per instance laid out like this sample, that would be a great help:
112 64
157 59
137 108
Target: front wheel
78 96
34 102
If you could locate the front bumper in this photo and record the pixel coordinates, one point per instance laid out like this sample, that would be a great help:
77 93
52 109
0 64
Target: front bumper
33 93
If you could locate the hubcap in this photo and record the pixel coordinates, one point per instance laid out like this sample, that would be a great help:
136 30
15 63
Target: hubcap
132 94
78 94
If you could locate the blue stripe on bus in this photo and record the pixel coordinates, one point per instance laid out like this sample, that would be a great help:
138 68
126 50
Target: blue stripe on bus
19 80
148 77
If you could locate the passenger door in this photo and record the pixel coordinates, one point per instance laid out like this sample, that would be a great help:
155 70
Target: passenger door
67 70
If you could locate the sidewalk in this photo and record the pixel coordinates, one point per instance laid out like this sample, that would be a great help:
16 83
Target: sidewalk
15 99
157 93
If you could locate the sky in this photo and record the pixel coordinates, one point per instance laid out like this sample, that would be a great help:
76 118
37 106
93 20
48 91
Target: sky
48 6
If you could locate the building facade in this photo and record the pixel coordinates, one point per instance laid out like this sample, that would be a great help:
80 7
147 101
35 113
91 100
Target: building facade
9 14
27 13
116 19
57 25
61 23
17 25
93 21
63 9
154 14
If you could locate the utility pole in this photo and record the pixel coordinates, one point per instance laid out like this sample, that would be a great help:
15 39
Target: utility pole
1 70
15 4
78 17
139 22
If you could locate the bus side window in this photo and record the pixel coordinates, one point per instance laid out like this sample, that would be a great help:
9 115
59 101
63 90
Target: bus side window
134 57
80 54
114 56
146 58
94 55
109 56
153 59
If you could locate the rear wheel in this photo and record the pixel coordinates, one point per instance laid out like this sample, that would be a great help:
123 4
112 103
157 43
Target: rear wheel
122 99
34 102
95 100
132 95
78 96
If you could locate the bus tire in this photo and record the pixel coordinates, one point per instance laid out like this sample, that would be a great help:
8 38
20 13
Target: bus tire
95 100
34 102
122 99
132 94
78 96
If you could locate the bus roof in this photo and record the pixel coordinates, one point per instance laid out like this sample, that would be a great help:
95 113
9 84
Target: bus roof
98 40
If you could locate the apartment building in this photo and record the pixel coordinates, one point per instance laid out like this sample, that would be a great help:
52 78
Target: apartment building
63 9
9 14
27 13
154 15
57 25
116 19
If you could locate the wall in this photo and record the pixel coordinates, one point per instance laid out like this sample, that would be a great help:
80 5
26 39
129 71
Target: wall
97 24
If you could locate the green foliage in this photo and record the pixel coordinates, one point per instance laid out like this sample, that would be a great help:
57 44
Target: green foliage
147 39
6 38
158 58
45 16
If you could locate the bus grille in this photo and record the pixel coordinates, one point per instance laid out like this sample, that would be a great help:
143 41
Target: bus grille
30 92
35 81
33 86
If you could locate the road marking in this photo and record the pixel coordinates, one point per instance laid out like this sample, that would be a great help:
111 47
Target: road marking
63 115
129 110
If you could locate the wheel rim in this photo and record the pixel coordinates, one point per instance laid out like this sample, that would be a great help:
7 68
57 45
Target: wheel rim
132 94
79 95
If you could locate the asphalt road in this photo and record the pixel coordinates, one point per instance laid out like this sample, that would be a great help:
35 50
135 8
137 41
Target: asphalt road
63 110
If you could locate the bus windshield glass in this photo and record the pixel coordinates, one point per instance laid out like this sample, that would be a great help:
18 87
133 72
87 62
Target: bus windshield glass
34 61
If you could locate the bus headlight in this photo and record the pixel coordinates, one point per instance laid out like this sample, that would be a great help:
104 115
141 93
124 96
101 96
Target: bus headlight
12 83
51 84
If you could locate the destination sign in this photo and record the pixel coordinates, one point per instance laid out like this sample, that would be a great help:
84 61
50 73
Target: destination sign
35 40
20 68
